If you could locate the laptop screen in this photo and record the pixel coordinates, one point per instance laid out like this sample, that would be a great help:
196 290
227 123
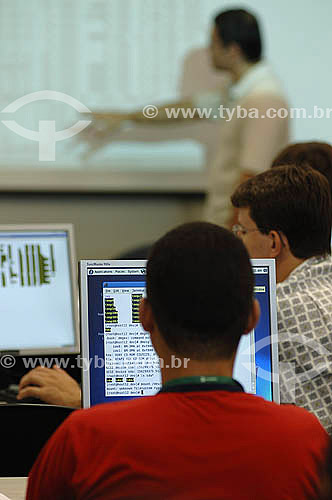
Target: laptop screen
38 290
118 359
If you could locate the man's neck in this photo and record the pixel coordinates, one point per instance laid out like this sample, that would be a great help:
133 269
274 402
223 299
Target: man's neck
284 267
192 368
240 69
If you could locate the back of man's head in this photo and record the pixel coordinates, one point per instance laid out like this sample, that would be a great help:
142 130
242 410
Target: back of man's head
200 288
317 154
294 200
241 27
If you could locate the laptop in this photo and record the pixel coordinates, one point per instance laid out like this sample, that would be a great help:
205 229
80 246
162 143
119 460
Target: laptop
118 359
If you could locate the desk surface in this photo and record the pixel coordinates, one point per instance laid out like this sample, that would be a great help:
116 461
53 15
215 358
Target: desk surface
13 487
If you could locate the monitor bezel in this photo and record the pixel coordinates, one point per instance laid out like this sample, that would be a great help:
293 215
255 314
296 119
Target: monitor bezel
69 229
270 263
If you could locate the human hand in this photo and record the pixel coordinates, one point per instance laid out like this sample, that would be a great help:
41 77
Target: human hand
100 130
52 385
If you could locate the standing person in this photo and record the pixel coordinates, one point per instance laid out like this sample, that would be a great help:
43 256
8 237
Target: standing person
253 112
259 127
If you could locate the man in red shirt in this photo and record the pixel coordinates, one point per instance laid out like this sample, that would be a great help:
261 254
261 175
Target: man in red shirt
201 437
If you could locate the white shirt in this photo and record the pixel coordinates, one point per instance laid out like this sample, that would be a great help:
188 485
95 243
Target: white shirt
246 144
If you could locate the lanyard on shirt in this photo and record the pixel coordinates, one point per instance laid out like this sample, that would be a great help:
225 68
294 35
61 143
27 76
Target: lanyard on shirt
202 383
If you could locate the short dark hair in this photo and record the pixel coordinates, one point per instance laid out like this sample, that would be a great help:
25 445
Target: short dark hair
317 154
295 200
241 27
200 287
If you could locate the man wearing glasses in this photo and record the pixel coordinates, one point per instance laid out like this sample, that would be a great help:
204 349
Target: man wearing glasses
286 214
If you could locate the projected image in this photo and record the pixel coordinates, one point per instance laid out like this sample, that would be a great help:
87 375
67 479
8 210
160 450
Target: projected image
97 53
115 67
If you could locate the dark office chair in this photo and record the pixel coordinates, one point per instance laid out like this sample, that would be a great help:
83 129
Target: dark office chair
24 429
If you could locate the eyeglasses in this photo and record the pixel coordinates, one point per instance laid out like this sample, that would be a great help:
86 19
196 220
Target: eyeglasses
239 230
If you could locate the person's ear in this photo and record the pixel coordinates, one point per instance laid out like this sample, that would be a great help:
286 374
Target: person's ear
254 316
147 320
234 50
276 244
146 315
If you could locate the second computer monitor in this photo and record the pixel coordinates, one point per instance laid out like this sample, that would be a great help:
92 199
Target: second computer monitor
38 290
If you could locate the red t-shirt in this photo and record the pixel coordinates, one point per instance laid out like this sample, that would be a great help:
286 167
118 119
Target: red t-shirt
193 445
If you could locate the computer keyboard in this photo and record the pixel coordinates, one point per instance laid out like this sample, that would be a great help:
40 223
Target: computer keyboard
9 394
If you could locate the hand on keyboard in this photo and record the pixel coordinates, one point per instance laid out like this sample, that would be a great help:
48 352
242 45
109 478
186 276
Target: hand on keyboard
9 394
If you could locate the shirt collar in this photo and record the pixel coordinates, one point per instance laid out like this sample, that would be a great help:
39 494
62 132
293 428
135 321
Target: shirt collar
258 72
202 383
308 266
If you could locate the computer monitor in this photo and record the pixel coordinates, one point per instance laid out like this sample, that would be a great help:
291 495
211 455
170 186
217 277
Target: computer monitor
118 359
38 290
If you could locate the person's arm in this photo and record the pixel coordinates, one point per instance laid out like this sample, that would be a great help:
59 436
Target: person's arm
104 124
150 114
52 385
262 138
